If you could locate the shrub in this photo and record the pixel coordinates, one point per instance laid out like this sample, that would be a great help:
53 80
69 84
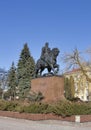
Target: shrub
35 108
67 108
8 105
63 108
35 96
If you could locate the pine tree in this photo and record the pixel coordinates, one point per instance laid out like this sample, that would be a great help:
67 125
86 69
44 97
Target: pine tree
12 83
25 71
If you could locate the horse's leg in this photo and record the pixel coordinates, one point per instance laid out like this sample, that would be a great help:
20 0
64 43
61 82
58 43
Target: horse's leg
52 68
36 72
56 66
41 71
49 70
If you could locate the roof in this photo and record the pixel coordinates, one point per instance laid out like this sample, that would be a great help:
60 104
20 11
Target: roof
73 71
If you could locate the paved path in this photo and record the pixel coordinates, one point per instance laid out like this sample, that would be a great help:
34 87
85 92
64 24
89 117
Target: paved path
20 124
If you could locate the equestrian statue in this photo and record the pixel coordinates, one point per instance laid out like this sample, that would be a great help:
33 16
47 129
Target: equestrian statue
48 60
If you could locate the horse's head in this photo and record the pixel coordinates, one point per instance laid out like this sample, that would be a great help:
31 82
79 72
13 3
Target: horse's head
55 51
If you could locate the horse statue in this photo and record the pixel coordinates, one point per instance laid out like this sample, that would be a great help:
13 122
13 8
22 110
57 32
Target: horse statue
48 62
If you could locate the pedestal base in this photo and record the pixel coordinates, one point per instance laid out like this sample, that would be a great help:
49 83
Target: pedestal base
51 87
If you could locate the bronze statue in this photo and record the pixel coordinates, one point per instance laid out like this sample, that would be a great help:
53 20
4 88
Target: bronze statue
45 52
47 60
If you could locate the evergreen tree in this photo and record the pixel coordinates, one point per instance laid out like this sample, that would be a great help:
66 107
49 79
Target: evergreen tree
1 91
25 71
67 89
12 81
72 88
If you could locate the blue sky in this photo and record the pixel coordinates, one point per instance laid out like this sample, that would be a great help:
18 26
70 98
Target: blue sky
65 24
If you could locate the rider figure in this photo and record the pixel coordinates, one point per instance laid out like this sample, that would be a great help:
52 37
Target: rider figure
45 52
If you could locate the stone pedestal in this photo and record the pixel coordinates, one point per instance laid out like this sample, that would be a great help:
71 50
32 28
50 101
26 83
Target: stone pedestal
51 87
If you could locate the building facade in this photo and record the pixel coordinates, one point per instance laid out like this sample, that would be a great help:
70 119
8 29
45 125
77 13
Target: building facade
82 86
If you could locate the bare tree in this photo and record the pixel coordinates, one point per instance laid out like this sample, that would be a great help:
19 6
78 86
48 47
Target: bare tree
75 59
88 50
